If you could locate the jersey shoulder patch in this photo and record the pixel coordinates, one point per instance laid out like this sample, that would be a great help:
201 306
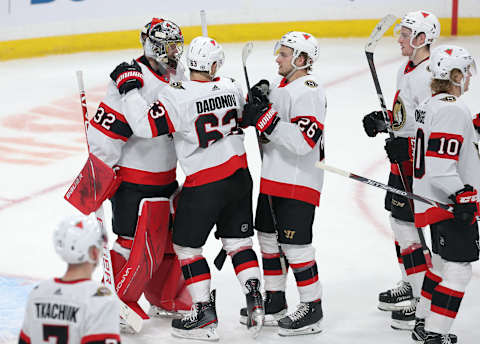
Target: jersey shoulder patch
177 85
311 83
103 291
449 99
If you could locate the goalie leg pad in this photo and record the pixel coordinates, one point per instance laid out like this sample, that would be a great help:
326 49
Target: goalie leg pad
147 249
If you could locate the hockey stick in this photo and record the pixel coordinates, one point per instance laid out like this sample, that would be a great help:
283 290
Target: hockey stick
383 25
246 50
126 313
203 21
385 187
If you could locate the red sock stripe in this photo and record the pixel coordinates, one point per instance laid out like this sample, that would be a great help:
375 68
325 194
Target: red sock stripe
307 282
272 272
448 291
184 262
426 295
302 265
416 269
251 264
270 255
429 274
198 278
443 311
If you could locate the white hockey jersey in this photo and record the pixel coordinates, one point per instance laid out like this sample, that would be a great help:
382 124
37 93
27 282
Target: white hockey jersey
135 159
73 312
296 143
446 157
202 116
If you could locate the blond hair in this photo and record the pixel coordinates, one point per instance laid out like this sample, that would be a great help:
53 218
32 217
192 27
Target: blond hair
446 86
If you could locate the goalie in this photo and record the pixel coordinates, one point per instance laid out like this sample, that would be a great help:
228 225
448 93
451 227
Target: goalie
139 177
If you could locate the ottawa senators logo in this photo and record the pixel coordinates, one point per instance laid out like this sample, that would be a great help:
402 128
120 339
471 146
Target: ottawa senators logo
102 291
398 113
311 83
449 99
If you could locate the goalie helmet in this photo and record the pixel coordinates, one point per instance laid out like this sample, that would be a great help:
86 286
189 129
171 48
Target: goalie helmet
203 52
418 22
446 58
299 42
158 37
75 235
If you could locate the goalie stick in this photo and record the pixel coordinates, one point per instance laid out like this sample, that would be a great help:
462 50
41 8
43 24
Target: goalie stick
126 313
383 25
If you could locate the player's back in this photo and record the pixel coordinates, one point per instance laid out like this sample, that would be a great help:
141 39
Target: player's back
204 117
79 311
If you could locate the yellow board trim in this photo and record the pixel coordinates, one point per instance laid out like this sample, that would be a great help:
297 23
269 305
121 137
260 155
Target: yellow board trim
117 40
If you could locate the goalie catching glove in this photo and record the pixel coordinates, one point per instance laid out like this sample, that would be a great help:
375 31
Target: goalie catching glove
465 208
127 76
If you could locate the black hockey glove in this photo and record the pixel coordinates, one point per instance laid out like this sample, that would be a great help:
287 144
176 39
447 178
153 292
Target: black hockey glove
398 149
127 76
476 122
260 92
465 207
260 115
373 123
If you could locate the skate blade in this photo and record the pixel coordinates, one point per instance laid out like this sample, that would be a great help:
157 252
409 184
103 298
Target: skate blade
257 325
208 334
158 312
390 307
402 325
271 320
306 330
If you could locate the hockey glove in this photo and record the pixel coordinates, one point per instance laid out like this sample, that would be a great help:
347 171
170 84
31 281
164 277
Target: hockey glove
465 207
260 91
398 149
476 122
127 76
373 123
260 115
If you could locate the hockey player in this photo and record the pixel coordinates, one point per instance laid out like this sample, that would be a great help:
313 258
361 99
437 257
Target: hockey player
73 308
290 118
202 116
446 169
147 170
416 32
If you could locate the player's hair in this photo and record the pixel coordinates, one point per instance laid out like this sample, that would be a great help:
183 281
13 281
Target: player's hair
445 86
305 57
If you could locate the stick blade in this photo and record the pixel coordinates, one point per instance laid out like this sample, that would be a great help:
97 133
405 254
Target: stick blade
379 30
246 50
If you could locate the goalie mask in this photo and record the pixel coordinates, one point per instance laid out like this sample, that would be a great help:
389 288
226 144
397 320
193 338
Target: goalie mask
202 53
446 58
75 235
300 42
420 22
162 40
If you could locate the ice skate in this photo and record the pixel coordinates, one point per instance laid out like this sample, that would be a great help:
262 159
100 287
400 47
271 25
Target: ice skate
200 323
419 334
437 338
255 310
404 319
305 320
396 298
275 308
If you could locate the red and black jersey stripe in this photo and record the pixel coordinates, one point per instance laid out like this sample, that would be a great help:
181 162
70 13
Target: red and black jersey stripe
444 145
112 123
312 129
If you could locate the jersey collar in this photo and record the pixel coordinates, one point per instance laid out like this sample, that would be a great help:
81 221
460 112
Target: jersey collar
410 66
59 280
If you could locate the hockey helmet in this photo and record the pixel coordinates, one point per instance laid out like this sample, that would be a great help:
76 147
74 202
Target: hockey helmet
420 22
446 58
203 52
75 235
158 37
299 42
